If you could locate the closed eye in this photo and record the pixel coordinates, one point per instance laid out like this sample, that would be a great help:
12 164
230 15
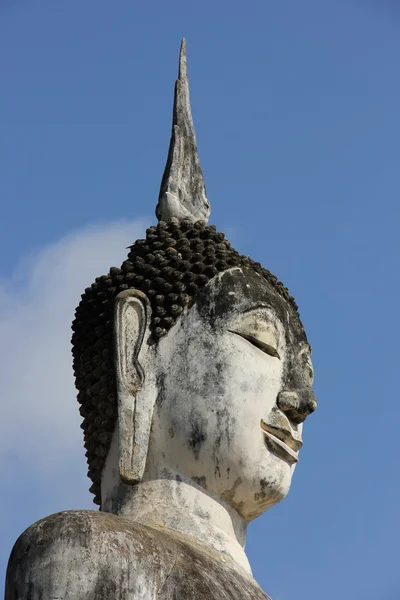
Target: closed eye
259 344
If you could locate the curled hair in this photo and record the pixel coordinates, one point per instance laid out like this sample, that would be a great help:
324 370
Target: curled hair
169 266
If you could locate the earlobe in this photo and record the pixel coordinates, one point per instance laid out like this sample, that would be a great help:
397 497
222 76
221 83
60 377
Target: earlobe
132 315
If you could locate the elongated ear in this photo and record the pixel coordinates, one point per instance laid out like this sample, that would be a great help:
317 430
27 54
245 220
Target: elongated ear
132 315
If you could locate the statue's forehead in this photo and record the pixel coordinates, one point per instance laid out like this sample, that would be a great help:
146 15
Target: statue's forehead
239 290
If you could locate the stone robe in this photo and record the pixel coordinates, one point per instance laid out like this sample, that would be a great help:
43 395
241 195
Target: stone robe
89 555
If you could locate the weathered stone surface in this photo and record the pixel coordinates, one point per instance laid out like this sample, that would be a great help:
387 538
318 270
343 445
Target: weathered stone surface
195 377
97 556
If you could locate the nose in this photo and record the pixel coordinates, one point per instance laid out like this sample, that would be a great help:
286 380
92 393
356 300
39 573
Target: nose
297 405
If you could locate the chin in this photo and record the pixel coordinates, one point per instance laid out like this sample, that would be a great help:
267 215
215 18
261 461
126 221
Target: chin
267 487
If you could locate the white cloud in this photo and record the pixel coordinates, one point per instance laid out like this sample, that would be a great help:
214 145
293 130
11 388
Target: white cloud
40 438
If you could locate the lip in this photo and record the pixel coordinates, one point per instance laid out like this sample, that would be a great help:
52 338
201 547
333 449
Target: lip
283 440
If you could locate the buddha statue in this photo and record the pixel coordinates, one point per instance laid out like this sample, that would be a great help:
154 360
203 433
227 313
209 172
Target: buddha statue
194 377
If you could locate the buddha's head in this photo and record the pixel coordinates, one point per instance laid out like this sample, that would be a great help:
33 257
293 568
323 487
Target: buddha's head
193 357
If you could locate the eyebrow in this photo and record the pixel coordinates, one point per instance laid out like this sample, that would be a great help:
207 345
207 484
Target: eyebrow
261 305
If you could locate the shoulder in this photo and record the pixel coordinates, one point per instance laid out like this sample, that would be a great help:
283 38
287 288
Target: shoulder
87 554
82 528
96 556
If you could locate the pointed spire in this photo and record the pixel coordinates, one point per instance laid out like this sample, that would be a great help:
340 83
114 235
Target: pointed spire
182 192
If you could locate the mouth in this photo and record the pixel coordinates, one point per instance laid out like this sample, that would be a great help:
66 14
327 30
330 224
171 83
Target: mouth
284 444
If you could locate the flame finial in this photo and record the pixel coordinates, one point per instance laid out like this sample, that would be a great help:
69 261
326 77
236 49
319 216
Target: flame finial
182 192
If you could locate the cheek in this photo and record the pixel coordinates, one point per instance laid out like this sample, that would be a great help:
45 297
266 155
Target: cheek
216 391
253 380
208 379
249 384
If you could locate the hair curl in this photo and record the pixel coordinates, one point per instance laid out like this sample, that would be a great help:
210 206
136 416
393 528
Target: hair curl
169 266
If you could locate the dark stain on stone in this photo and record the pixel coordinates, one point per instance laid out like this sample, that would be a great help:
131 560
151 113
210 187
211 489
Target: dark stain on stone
105 587
198 435
225 421
229 494
30 592
263 493
219 367
201 481
160 389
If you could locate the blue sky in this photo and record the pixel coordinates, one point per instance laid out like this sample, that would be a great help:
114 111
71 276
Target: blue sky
296 108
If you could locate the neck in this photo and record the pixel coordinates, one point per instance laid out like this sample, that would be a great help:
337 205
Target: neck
175 503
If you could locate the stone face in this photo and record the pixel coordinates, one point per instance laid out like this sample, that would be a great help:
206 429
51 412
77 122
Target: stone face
219 372
170 266
96 556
